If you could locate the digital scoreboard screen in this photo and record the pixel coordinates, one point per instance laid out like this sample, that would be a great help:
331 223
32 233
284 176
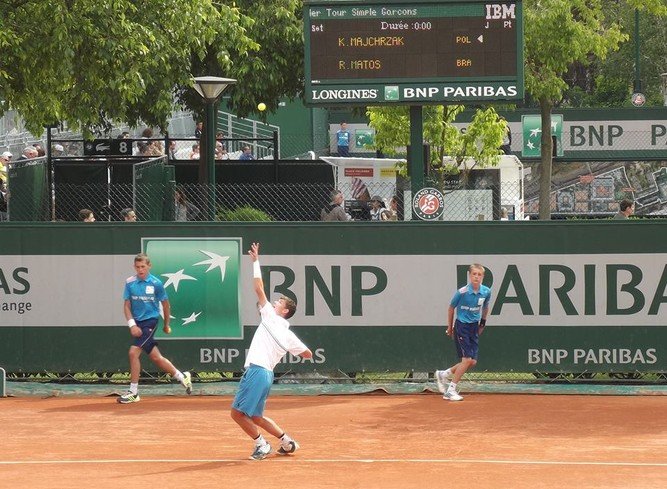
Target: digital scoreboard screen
432 51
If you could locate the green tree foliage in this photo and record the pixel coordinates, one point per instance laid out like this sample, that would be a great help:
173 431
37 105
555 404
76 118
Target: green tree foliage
477 146
559 33
93 62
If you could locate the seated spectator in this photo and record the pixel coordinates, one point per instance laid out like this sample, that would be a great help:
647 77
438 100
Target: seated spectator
86 215
40 150
184 210
29 152
392 212
334 211
5 158
3 200
247 153
128 215
194 154
378 209
198 129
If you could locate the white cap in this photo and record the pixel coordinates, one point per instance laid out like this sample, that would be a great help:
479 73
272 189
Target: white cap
58 147
7 155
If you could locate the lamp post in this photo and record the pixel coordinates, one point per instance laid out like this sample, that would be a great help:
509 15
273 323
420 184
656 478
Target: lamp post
210 88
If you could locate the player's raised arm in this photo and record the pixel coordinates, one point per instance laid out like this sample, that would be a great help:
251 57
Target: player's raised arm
258 283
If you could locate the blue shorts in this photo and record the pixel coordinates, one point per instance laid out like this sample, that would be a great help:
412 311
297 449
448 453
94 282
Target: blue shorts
466 339
147 339
253 390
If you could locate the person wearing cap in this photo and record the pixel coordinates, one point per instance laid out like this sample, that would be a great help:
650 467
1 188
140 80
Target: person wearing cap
58 150
5 158
378 209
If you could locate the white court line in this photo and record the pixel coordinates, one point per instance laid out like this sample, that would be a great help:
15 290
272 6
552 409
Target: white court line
342 460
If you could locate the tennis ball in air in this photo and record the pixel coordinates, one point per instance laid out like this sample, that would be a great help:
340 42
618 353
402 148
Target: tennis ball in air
261 106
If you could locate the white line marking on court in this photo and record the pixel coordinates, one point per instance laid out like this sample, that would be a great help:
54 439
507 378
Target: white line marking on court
342 460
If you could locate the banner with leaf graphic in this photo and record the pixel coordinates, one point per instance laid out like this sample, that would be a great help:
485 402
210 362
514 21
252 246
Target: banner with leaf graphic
201 278
532 135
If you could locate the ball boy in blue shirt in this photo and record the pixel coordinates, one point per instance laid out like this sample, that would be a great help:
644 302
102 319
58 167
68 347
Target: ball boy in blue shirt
143 295
471 304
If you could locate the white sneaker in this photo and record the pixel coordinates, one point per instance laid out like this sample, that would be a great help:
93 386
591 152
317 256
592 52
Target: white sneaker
452 395
187 382
261 451
441 379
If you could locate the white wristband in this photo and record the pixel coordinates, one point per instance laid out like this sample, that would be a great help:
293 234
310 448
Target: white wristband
131 323
256 269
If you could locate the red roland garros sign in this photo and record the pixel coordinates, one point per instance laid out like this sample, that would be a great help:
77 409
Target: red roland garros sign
428 204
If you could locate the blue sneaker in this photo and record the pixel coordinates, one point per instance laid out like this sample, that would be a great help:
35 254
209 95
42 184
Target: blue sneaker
261 451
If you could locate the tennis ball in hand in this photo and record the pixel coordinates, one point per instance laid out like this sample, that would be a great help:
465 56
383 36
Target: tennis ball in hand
167 330
261 106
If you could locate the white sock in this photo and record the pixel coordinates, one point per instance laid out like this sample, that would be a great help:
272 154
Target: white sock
134 388
260 441
179 376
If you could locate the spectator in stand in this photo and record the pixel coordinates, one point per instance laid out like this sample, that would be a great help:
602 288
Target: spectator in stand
86 215
184 210
334 211
5 158
378 210
29 152
194 154
220 151
58 150
626 209
172 150
198 129
40 150
128 215
247 154
392 212
3 200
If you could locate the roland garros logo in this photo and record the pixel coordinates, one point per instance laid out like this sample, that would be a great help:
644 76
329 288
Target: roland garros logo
428 204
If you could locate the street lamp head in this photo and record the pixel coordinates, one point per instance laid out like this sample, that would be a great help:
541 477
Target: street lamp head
210 87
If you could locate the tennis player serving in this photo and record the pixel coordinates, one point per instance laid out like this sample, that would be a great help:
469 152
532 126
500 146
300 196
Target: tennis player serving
272 340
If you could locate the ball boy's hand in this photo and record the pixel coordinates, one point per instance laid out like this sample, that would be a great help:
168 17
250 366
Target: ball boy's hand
167 329
135 331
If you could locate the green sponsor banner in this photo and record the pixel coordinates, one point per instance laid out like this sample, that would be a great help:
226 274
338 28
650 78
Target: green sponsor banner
201 278
531 126
566 296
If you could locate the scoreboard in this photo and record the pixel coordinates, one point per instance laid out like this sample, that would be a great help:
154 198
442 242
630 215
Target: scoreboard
431 51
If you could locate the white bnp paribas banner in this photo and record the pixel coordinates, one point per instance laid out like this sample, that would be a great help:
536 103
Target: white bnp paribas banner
362 290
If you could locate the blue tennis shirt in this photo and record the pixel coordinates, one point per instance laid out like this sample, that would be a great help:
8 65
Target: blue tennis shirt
144 296
469 304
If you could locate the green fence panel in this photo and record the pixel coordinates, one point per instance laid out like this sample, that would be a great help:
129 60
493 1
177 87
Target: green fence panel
567 296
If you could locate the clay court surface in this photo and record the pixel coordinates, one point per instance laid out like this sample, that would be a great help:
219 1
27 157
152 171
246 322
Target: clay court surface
349 441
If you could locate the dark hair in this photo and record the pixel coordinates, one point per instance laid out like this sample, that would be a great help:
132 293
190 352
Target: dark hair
126 212
625 204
